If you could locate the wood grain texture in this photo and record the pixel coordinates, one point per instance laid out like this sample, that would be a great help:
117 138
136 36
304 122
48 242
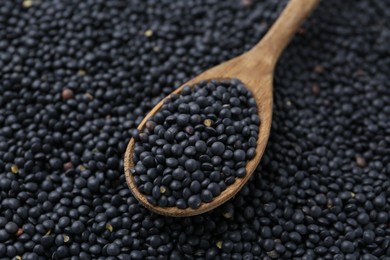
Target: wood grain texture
255 69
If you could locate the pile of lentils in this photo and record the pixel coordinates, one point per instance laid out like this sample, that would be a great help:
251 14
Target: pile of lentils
77 76
197 144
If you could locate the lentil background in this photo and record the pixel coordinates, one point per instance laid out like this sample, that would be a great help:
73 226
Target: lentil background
76 76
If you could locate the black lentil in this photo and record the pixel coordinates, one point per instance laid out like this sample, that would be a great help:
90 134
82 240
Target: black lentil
327 156
194 164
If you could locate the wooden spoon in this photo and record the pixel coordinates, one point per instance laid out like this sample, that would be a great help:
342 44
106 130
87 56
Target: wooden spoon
255 69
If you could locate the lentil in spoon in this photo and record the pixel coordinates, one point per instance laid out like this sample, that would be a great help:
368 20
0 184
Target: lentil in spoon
196 145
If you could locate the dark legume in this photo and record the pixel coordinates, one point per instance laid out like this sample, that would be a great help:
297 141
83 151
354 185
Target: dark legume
327 156
196 165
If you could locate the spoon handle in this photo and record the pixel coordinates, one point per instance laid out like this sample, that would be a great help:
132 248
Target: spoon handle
281 32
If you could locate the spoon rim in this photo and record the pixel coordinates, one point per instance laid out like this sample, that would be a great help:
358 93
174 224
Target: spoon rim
230 191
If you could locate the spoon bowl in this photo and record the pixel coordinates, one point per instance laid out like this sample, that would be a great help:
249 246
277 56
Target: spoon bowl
255 70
